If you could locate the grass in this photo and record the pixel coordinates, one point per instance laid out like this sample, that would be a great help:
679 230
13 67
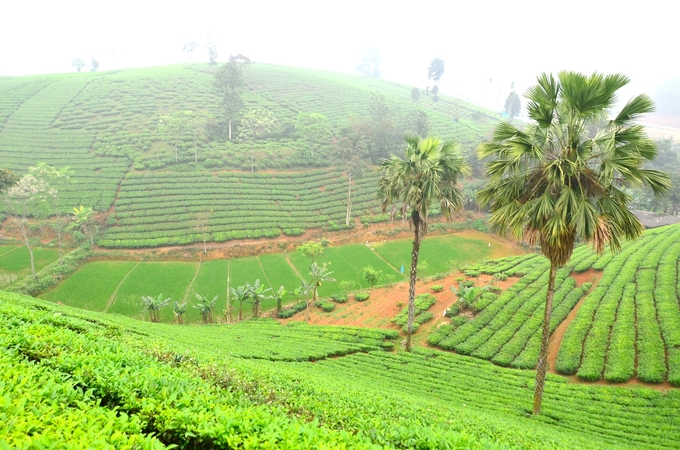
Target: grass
280 273
347 263
152 278
19 261
438 254
91 286
211 281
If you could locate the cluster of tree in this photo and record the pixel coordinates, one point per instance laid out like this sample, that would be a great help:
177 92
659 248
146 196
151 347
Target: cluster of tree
667 160
541 187
37 195
434 73
79 63
381 133
369 63
190 47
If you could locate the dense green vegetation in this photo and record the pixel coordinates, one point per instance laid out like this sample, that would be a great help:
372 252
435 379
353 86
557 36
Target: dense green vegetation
627 326
93 285
260 384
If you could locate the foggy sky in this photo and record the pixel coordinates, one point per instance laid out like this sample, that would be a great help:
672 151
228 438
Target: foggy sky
484 44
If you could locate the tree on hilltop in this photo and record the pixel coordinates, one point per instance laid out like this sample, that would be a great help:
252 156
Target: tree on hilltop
212 52
313 128
353 157
430 172
175 125
94 64
229 84
189 48
369 64
434 73
560 179
513 105
78 63
255 125
436 70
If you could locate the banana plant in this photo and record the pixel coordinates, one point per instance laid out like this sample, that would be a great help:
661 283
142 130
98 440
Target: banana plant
239 294
179 310
153 306
257 293
205 306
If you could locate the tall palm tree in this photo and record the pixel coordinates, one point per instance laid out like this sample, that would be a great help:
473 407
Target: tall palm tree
429 172
561 178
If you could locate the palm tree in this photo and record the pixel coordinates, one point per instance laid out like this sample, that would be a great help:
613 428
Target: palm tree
561 179
429 172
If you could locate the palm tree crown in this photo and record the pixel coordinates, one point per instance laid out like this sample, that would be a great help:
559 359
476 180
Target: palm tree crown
562 177
429 172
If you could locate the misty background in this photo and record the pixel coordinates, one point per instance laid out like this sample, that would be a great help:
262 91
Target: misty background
486 45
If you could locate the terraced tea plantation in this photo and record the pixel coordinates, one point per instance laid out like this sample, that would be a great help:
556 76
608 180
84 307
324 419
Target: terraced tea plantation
258 384
628 325
105 125
156 209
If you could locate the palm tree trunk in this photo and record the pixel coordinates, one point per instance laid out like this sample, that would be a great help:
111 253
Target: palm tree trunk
195 153
542 366
412 280
230 129
240 310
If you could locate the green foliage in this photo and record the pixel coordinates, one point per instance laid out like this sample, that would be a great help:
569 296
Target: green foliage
153 305
205 307
172 382
52 274
437 287
372 276
361 296
325 305
340 298
290 312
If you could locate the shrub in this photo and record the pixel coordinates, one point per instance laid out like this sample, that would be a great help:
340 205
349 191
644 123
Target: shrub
437 288
361 296
340 298
326 305
290 312
372 276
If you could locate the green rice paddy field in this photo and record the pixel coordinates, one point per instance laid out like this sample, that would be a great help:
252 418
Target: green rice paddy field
117 286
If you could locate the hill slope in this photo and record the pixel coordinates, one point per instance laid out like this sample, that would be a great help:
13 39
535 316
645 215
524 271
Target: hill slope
104 126
269 386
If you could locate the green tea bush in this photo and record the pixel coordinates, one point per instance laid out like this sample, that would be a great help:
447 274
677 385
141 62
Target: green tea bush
325 306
